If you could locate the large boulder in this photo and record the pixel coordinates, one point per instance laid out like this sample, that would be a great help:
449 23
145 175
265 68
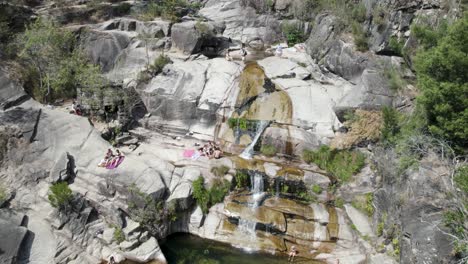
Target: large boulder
12 235
11 93
104 47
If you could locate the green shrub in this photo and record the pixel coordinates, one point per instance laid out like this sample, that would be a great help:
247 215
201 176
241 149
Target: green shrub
268 150
3 194
358 12
461 178
200 194
364 203
340 163
442 78
379 16
339 202
203 28
60 195
159 63
220 170
317 189
396 46
380 228
118 235
243 124
390 126
171 10
395 81
218 191
206 198
152 214
293 33
242 179
360 37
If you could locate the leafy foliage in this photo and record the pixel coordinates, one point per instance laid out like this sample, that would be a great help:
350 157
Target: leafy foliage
60 195
340 163
171 10
390 126
118 235
242 179
317 189
396 46
268 150
293 33
360 37
206 198
443 80
51 66
461 178
153 214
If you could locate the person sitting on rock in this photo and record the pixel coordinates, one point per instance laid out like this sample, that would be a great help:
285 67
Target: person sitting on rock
292 253
107 158
217 152
76 108
279 51
243 52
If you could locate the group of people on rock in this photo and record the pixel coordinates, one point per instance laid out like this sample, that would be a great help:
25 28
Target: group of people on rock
111 159
210 150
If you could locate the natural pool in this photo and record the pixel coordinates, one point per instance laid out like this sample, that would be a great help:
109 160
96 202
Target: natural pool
189 249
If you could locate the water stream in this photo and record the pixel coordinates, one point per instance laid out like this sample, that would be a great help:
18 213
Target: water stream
248 151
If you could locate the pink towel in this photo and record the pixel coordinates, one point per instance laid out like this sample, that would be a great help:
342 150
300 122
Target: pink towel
188 153
115 163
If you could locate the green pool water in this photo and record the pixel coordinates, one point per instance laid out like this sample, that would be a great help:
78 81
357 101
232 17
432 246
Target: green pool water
189 249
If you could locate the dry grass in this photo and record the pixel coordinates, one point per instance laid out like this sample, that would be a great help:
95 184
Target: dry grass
366 127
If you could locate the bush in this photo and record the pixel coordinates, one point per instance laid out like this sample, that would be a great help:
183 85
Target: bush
359 12
3 194
391 126
206 198
396 46
293 33
339 202
203 28
364 203
220 170
159 63
395 81
118 235
360 37
268 150
379 16
171 10
242 179
340 163
442 78
461 178
317 189
152 214
60 195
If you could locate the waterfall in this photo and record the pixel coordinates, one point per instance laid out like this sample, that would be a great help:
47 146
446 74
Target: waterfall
257 188
248 227
277 188
248 152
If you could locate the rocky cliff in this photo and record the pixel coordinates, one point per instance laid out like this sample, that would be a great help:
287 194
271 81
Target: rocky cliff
380 215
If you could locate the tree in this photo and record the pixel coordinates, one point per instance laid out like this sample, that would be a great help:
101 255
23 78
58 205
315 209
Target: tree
60 195
442 78
48 52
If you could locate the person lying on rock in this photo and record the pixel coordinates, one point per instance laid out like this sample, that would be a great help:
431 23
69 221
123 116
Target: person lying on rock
292 253
107 158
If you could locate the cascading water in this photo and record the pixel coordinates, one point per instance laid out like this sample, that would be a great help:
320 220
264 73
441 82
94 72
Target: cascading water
247 227
257 188
248 152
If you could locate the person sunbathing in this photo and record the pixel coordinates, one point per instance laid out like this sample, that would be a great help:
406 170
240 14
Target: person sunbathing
107 158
